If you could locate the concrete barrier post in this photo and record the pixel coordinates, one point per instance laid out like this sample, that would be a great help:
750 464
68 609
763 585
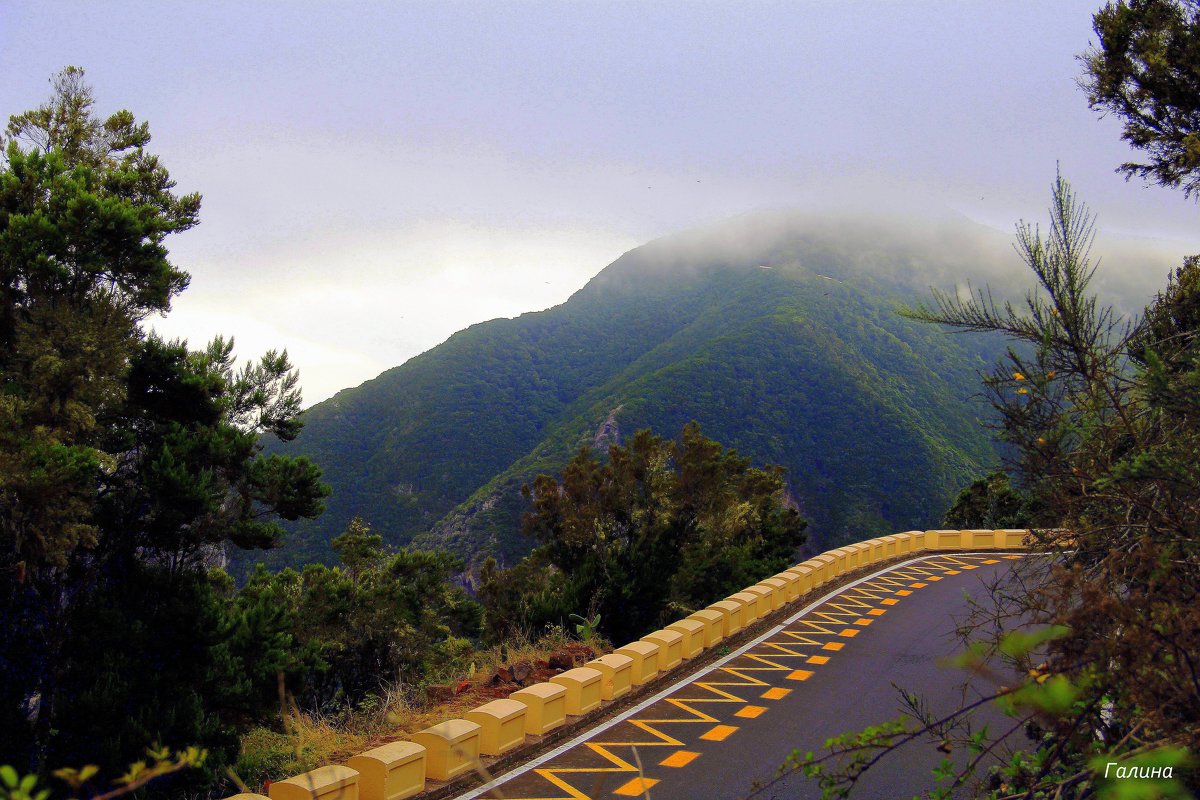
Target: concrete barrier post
451 748
943 540
714 624
841 558
750 606
804 577
391 772
828 567
645 660
547 704
983 540
757 598
501 725
791 585
860 554
616 672
334 782
877 550
670 644
692 631
583 689
779 591
734 616
1012 538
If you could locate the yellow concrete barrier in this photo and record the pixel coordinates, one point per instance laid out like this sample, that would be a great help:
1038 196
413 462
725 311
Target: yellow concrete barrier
982 540
829 567
779 591
616 673
879 549
670 643
791 585
841 557
764 602
775 593
334 782
804 577
734 616
752 607
904 542
247 796
645 660
1012 537
943 540
817 569
583 689
889 546
692 631
714 624
547 704
501 725
391 772
860 555
451 748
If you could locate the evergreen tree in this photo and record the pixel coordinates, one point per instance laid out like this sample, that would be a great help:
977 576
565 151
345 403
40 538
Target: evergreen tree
662 528
1146 70
127 464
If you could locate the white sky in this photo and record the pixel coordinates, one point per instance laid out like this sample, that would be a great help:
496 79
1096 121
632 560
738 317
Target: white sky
378 176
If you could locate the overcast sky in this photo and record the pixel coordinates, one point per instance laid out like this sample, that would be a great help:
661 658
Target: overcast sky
378 176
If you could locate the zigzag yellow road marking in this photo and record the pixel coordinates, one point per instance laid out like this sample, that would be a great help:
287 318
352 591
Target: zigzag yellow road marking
799 637
816 628
771 665
767 656
784 651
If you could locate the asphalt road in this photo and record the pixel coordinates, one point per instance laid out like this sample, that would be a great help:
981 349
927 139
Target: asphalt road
827 670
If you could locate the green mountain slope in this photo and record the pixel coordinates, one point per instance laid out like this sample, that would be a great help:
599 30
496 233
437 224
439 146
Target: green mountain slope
780 339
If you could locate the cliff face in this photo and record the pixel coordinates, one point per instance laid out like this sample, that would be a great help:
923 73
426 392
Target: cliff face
805 364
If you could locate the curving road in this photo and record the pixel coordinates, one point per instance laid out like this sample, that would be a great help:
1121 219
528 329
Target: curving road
828 669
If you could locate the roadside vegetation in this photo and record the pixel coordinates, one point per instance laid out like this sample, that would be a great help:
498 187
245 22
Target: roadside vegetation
131 467
1102 418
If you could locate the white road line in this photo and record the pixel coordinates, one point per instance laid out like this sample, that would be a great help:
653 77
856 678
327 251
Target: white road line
642 706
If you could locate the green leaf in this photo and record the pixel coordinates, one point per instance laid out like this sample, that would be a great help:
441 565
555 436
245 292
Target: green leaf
1020 643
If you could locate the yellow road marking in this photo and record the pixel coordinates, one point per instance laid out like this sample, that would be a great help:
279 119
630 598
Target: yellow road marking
635 787
718 733
831 620
751 712
572 792
680 758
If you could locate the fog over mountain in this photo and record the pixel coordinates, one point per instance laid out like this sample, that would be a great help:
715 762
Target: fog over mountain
776 330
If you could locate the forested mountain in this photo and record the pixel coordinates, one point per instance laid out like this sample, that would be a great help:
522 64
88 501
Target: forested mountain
778 334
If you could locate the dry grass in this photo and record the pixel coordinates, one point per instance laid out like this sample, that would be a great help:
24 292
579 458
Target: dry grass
309 740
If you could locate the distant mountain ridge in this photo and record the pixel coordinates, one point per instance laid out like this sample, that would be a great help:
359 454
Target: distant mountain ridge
778 335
